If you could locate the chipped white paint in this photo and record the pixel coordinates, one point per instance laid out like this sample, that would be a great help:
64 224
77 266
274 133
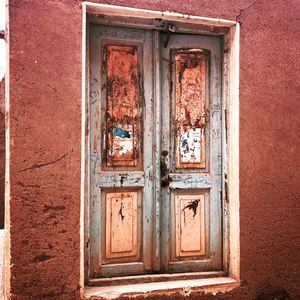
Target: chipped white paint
191 82
190 179
121 100
189 145
114 10
121 132
122 144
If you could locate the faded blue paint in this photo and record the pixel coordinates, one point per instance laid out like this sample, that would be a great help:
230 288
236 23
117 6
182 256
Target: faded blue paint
121 133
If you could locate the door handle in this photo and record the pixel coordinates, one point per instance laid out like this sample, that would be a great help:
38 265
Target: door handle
164 171
165 181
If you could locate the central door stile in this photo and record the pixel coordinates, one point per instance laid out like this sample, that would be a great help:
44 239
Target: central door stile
149 205
157 149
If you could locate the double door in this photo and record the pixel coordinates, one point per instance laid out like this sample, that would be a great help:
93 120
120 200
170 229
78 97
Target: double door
155 166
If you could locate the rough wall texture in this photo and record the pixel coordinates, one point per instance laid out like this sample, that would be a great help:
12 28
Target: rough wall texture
45 112
2 153
45 116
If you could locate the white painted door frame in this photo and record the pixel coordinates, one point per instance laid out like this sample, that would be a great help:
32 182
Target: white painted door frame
230 100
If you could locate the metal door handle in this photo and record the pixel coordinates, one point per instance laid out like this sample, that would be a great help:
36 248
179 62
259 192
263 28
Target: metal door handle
164 171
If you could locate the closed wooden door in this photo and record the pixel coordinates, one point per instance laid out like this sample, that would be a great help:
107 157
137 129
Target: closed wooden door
125 206
191 160
121 138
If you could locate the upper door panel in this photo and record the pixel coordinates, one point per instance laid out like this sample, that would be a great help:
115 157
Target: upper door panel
123 120
189 77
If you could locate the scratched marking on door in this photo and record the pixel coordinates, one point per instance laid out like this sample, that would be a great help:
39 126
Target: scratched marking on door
190 108
124 115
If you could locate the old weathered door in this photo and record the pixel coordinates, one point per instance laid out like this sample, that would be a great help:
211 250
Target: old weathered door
121 119
191 160
126 68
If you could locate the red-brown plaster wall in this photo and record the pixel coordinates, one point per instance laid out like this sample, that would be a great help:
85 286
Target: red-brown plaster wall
45 127
45 120
2 152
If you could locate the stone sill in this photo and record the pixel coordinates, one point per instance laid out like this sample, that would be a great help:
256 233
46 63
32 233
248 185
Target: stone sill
183 287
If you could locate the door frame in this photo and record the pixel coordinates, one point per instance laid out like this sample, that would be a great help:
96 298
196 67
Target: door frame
140 18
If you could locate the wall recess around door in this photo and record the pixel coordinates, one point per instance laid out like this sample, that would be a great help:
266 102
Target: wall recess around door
136 18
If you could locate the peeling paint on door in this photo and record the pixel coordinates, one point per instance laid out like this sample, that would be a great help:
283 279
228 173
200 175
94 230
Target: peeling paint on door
190 76
189 145
121 176
123 119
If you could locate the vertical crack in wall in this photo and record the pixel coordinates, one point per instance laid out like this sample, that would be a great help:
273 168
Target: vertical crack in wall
243 10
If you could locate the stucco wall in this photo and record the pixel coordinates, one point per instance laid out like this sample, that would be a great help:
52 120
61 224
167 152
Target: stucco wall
2 153
45 120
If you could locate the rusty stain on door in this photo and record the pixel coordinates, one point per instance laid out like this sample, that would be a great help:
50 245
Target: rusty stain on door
190 90
124 113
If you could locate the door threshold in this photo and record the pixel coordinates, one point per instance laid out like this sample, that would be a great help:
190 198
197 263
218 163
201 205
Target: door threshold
147 278
157 289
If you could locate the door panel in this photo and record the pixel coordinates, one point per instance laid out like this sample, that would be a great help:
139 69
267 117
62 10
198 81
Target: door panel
122 230
121 238
124 113
190 115
189 225
191 175
121 118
